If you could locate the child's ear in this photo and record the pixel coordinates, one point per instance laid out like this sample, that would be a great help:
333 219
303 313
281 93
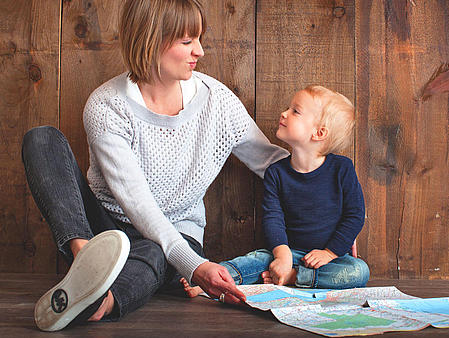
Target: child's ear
320 134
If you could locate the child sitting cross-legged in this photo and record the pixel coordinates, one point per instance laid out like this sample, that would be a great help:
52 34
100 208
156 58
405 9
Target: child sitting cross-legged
313 207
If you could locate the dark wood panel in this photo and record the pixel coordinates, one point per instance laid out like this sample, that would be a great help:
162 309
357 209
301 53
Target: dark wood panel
175 316
229 46
402 142
90 56
424 239
29 35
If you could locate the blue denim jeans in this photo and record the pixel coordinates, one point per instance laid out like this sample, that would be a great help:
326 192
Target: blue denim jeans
341 273
72 211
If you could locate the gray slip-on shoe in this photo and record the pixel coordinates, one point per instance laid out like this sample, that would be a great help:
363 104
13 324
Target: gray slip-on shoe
92 273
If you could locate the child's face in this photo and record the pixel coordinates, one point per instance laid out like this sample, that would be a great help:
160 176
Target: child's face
300 121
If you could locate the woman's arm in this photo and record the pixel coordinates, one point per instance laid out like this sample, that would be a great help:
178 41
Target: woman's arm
130 188
256 151
128 184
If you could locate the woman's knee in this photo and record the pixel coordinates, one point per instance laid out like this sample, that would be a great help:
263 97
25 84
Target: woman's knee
38 138
41 134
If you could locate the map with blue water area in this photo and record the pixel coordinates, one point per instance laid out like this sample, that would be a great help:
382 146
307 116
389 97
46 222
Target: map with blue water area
339 313
433 310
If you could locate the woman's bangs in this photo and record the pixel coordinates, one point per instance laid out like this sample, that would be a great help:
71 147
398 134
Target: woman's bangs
191 22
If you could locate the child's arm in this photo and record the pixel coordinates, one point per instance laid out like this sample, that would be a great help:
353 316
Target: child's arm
281 267
275 231
353 215
273 221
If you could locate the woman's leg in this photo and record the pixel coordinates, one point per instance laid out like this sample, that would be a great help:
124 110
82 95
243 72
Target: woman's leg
145 272
60 190
248 269
341 273
142 275
72 211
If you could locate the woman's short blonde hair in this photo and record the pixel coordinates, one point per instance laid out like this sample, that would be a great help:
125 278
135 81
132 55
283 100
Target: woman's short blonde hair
149 27
337 115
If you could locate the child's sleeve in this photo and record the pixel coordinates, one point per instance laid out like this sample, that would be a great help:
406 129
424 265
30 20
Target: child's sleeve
273 216
353 216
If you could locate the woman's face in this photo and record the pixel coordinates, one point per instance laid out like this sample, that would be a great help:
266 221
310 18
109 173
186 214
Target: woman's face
179 60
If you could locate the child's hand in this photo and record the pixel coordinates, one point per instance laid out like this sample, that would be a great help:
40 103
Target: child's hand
280 271
317 258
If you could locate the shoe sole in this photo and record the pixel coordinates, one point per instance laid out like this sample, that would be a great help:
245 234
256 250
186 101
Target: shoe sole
92 273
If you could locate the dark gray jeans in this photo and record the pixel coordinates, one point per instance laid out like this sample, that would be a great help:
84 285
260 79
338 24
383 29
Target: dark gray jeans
72 211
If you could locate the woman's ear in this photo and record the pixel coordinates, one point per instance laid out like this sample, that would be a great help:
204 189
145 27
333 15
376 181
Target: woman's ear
320 134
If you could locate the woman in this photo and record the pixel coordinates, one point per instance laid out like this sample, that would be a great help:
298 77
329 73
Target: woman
158 136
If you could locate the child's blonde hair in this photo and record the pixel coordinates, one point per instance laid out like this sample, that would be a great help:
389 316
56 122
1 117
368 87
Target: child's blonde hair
149 27
337 115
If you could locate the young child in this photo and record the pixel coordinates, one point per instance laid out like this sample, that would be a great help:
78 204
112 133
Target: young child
313 204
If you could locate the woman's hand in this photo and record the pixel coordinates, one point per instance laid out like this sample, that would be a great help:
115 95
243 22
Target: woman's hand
215 279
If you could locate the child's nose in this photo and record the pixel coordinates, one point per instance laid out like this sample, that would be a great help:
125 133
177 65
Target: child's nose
284 114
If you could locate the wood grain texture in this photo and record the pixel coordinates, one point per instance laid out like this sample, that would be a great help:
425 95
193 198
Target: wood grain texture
90 56
402 142
29 35
175 316
229 47
380 54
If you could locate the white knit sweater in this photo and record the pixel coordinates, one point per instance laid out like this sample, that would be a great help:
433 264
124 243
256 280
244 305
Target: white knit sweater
153 170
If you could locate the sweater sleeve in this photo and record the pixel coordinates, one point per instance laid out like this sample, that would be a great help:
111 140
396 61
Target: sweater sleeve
353 216
110 144
252 147
256 151
273 221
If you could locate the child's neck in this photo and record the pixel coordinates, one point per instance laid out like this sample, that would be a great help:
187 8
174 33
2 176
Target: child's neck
306 161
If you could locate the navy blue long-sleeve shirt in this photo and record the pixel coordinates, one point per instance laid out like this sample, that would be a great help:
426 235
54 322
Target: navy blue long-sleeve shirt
316 210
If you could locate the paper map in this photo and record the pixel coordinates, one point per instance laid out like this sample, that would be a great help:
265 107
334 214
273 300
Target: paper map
339 313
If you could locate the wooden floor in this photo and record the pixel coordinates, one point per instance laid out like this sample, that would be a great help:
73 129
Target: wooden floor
176 316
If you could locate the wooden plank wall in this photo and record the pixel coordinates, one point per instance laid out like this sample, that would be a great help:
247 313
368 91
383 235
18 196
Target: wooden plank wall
402 141
377 53
29 96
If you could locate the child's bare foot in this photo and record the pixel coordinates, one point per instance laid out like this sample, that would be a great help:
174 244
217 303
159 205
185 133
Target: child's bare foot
192 291
290 280
266 278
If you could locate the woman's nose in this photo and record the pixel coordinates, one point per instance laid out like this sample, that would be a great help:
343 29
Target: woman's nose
198 49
